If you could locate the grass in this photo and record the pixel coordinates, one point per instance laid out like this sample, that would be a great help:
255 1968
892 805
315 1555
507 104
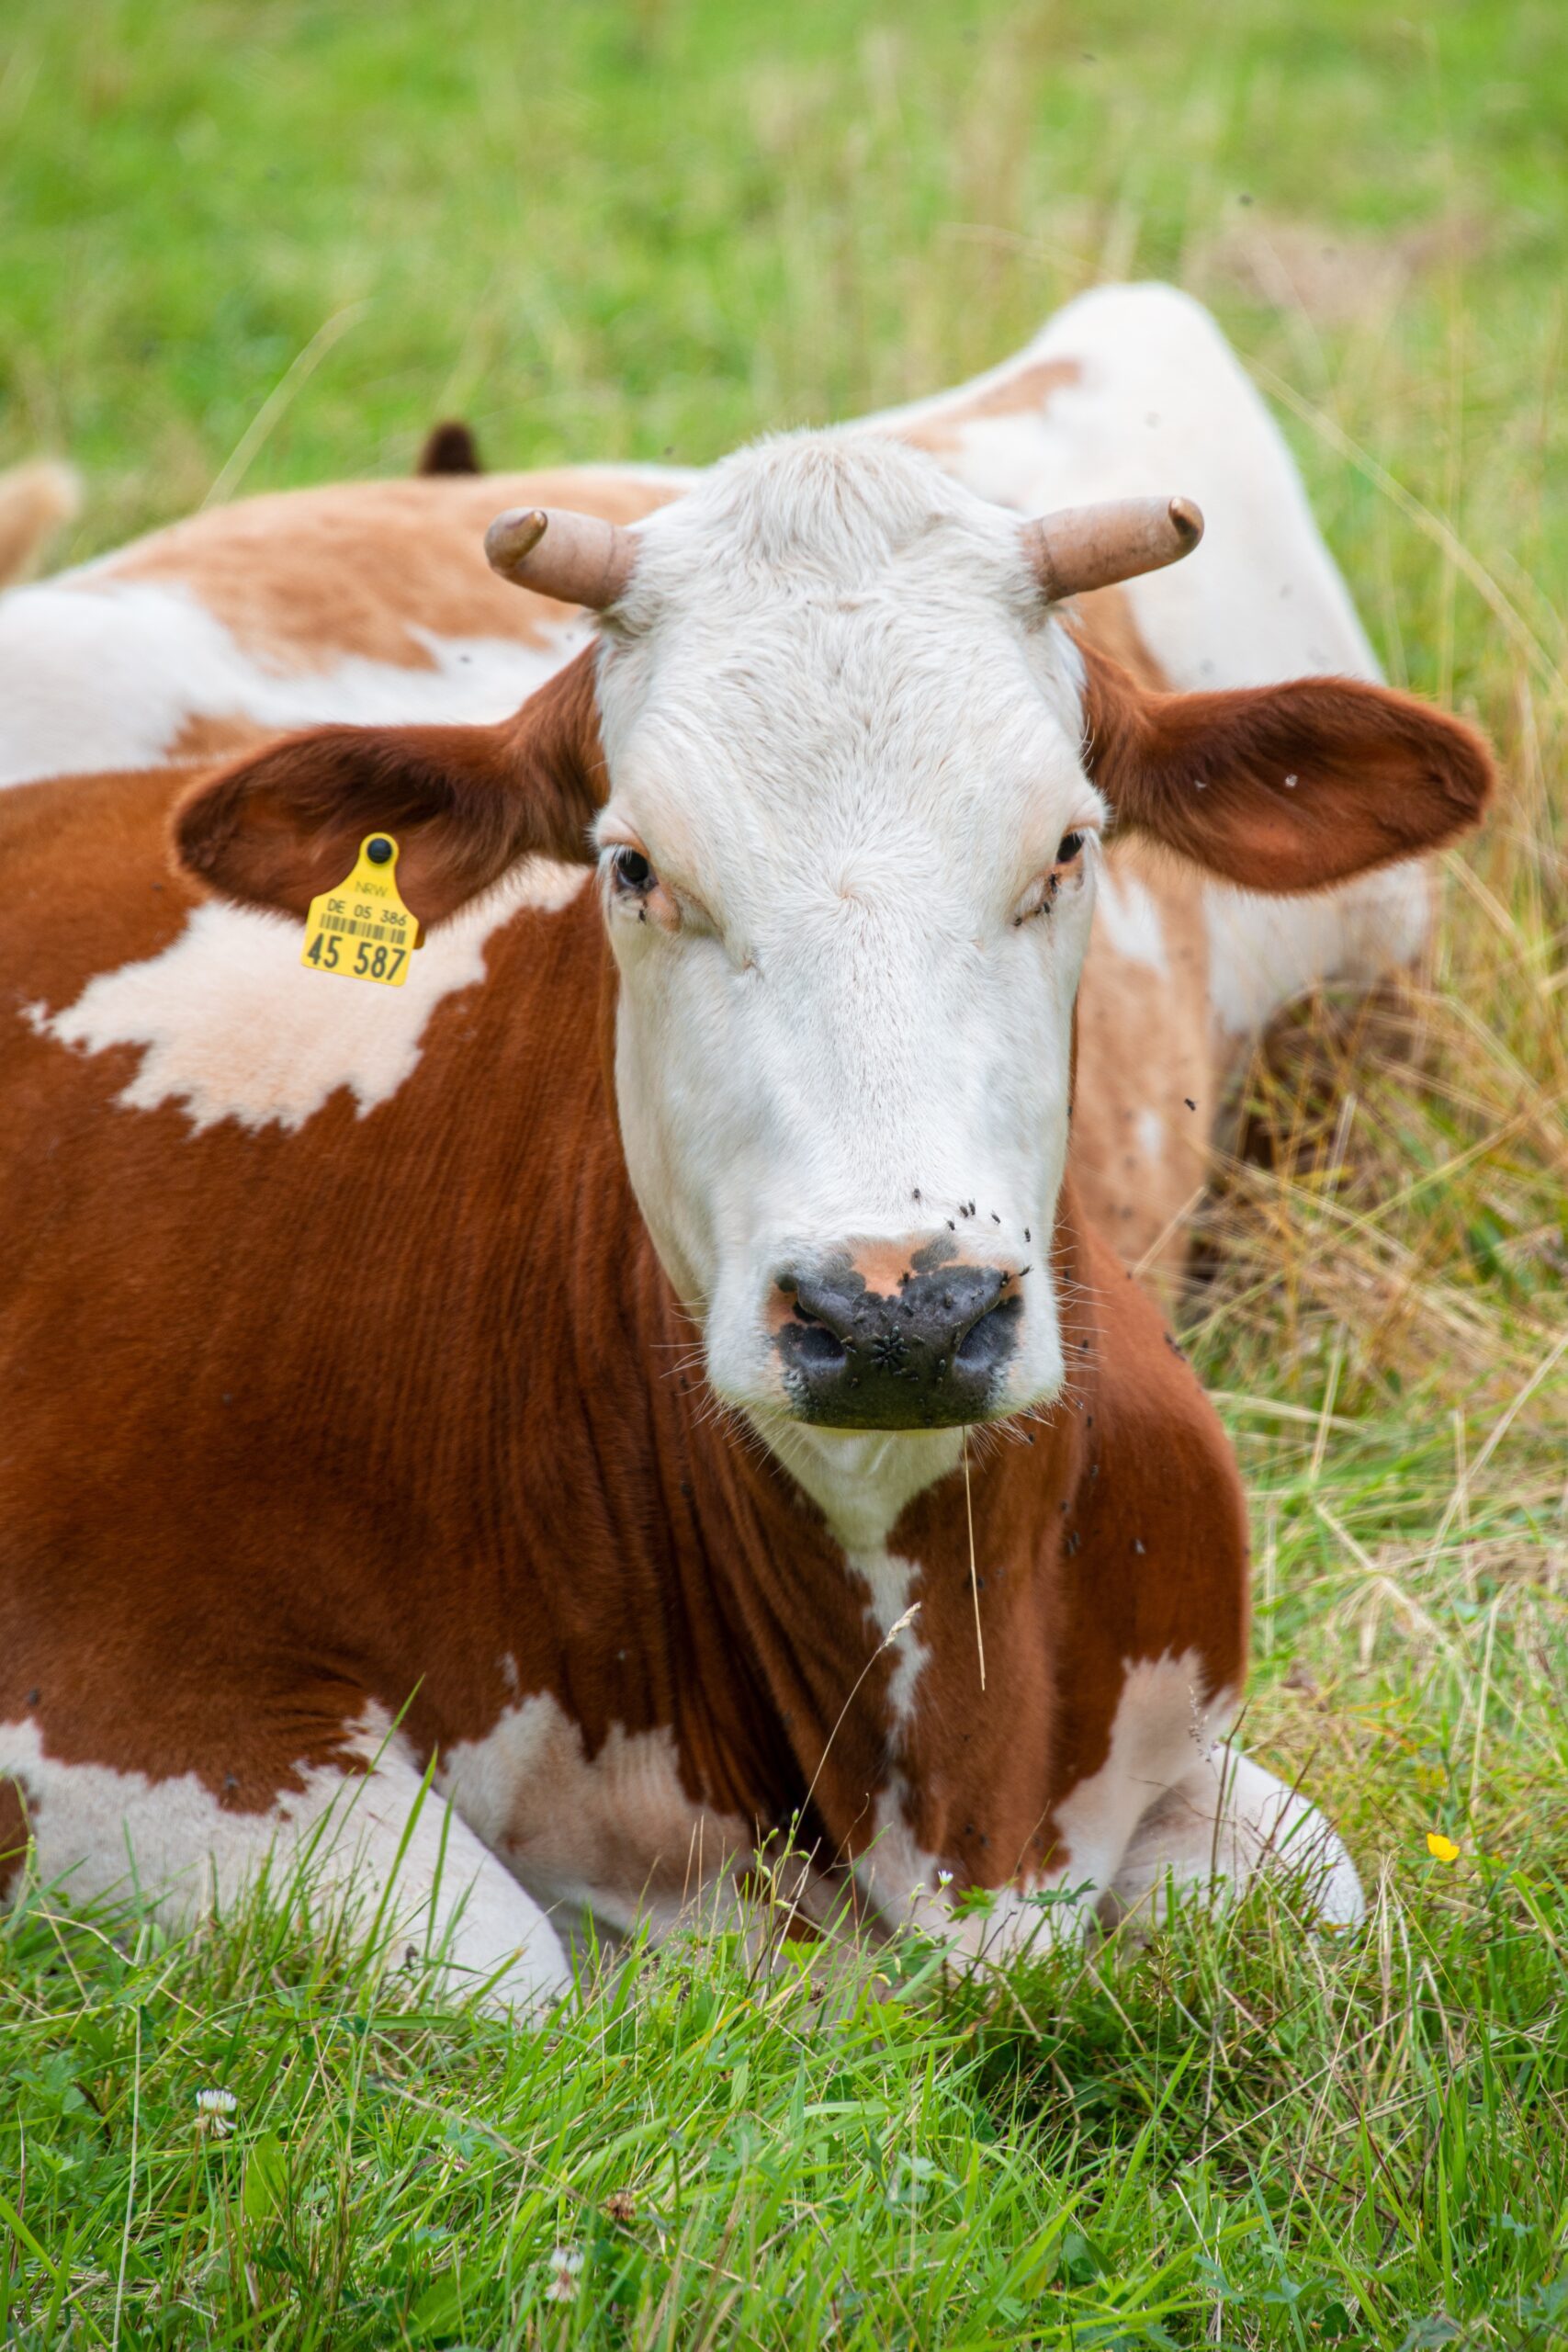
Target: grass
248 242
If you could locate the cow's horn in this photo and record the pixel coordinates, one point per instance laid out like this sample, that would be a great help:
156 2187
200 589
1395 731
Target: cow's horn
577 559
1091 546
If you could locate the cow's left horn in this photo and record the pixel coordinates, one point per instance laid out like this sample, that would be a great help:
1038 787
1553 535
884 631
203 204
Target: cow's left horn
577 559
1093 547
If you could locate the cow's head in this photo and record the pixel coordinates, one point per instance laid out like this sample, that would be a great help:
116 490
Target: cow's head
844 776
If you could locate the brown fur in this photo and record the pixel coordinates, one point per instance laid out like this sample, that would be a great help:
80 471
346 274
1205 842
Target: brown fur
230 1519
1284 787
308 577
466 802
36 500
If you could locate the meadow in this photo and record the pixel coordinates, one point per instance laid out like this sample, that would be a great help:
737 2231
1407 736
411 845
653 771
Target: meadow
246 243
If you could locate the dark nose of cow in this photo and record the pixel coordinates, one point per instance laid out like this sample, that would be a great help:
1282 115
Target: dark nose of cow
926 1353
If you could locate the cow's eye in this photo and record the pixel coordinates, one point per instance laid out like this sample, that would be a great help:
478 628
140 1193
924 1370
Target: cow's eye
1068 847
631 872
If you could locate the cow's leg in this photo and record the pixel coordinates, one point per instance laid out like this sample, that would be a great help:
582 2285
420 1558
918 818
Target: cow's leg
1217 1829
370 1844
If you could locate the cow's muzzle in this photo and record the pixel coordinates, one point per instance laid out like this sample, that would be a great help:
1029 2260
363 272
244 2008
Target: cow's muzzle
928 1350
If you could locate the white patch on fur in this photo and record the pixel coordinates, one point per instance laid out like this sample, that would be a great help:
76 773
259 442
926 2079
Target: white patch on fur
1218 1829
1165 1729
892 1583
1151 1134
102 1833
1264 953
96 672
615 1835
1129 918
235 1027
1174 1802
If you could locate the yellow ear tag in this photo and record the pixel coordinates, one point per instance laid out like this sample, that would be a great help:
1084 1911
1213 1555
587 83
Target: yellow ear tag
363 929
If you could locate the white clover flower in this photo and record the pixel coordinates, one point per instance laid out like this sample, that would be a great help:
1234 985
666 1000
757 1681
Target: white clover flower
213 2110
566 2269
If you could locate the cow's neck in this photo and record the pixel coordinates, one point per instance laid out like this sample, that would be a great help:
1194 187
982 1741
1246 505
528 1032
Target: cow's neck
861 1481
845 1563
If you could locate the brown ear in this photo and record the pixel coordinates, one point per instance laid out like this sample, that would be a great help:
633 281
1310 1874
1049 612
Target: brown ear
464 803
1287 787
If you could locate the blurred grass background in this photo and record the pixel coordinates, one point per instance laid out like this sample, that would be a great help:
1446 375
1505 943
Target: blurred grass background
248 245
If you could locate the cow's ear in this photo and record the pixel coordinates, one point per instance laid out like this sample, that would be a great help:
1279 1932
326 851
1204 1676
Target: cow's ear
1287 787
464 803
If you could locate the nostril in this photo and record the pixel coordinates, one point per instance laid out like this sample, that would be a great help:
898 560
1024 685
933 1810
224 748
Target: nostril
815 1344
986 1342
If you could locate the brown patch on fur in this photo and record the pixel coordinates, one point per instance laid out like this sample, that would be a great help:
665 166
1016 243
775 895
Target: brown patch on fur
1144 1051
306 577
1105 619
15 1828
1029 386
1376 775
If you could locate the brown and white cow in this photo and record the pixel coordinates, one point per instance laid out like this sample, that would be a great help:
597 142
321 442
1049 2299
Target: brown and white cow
371 602
554 1375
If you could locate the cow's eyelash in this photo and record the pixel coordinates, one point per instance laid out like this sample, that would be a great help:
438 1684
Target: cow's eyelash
1069 849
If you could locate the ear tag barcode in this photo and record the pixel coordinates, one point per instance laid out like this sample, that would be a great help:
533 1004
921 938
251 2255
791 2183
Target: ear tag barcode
363 929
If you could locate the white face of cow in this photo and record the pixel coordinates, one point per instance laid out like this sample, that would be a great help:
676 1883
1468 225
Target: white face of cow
848 861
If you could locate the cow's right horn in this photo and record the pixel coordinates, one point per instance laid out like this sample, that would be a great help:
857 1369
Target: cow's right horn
577 559
1093 547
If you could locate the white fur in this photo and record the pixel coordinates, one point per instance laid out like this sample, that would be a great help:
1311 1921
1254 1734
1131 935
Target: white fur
833 718
615 1835
100 673
355 1839
1130 920
1216 1830
236 1027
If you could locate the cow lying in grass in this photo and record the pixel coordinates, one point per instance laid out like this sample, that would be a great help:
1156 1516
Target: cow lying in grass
554 1375
371 602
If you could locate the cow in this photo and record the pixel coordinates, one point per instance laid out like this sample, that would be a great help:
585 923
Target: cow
370 601
643 1396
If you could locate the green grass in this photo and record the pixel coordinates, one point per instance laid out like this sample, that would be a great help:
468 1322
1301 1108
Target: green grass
244 245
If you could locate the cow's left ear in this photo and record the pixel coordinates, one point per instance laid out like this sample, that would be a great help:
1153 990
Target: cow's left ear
465 803
1287 787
